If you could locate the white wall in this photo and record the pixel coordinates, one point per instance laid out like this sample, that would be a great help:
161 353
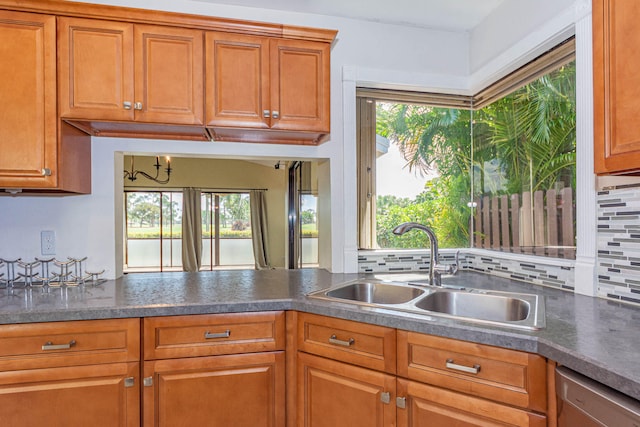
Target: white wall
516 32
364 53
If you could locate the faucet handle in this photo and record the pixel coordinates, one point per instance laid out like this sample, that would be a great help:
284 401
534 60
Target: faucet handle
455 267
449 268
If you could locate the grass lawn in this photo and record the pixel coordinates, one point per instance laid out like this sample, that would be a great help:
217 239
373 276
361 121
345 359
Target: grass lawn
308 230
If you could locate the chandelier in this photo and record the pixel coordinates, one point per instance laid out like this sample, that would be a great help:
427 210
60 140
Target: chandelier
132 174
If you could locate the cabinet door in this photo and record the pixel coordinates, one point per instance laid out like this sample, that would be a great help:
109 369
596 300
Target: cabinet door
169 75
28 107
237 91
95 62
96 395
334 394
425 405
616 59
300 85
244 390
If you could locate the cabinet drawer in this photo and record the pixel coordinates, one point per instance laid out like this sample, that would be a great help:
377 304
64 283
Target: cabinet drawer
42 345
448 408
357 343
213 334
503 375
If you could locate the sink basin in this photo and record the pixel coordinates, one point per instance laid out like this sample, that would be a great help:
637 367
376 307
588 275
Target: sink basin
510 309
495 308
375 293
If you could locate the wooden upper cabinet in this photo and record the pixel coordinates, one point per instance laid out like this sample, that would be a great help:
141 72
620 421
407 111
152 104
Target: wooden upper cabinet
169 75
259 83
237 88
28 107
115 71
95 69
616 59
300 85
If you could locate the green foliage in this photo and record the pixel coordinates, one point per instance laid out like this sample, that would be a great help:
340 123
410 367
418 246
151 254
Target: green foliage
525 141
154 233
431 140
308 216
530 134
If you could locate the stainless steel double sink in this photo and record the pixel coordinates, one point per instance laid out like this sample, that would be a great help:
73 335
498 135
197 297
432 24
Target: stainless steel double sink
515 310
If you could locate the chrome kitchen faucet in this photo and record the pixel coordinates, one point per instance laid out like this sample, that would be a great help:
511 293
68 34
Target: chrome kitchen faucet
435 270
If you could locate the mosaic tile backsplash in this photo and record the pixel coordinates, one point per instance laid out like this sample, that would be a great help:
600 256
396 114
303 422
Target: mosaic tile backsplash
618 262
619 243
537 273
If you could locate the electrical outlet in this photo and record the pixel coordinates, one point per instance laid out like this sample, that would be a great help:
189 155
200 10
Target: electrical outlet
48 242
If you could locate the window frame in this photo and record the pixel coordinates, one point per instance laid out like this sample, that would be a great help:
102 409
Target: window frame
561 54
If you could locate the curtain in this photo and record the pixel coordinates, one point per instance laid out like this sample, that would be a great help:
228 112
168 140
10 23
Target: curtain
191 230
366 152
259 229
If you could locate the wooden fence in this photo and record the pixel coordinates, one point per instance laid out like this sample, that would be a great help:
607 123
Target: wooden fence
542 224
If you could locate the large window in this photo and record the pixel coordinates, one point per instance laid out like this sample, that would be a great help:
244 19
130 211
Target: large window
226 230
153 239
153 231
492 171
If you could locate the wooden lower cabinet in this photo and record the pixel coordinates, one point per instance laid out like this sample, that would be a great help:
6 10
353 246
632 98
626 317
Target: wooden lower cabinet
422 405
98 395
434 381
243 390
69 374
335 394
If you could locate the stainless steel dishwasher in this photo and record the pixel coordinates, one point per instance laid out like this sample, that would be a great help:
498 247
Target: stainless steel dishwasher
583 402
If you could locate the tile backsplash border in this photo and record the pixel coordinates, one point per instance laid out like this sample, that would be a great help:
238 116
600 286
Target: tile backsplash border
618 243
618 258
535 270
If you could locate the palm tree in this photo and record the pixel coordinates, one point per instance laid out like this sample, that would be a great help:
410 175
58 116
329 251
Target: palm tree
522 142
531 133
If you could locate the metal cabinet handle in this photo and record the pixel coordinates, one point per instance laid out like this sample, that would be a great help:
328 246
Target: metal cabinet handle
275 114
266 114
212 335
468 369
401 402
137 106
126 105
48 346
334 340
46 172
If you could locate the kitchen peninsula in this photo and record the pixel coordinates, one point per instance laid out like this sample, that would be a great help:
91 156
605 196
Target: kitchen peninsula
595 337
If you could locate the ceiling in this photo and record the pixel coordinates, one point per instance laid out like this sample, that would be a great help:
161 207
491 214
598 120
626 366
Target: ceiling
451 15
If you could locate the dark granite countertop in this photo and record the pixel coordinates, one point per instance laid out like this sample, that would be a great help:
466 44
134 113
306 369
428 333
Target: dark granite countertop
596 337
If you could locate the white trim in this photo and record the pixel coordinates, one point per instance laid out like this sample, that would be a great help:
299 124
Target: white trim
376 78
586 282
350 178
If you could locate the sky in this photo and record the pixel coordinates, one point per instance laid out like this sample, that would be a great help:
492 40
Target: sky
393 176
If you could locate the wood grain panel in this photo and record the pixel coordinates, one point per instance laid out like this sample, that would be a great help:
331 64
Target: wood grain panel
432 406
28 107
74 396
334 394
300 85
237 85
245 390
169 64
184 336
95 62
373 346
95 341
506 376
616 58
